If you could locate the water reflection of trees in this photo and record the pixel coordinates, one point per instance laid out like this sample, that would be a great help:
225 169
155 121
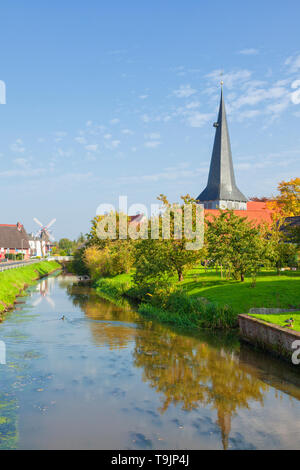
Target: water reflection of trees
190 372
111 324
185 370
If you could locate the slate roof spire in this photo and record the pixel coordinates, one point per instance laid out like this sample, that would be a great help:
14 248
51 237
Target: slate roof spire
221 183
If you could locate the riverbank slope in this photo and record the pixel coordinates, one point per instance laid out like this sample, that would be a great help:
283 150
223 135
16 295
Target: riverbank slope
204 299
14 281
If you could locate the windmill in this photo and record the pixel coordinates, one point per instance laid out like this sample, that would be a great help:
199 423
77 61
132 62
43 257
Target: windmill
44 234
44 291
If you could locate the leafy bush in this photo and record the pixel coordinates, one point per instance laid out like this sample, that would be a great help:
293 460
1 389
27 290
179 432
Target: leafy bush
115 258
77 265
182 310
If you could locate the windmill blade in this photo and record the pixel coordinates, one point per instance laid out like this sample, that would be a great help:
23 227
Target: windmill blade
37 302
50 223
50 301
49 235
38 222
38 234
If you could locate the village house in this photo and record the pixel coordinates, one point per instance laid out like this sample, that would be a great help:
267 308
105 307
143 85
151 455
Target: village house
40 246
14 242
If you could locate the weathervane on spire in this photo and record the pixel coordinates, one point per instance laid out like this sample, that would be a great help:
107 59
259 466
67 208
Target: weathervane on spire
221 82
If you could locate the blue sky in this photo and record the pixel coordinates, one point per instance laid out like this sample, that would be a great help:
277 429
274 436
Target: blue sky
118 98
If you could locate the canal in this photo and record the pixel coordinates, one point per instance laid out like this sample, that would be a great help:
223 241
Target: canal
83 373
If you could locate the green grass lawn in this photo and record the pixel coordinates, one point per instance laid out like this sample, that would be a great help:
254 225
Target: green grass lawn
14 280
279 319
271 290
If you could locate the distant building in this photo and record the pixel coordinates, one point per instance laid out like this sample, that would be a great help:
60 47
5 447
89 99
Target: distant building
40 245
36 245
13 241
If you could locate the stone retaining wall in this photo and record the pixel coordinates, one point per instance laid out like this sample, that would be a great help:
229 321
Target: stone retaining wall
270 337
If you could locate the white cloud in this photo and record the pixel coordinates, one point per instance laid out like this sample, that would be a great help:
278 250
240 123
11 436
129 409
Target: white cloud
153 136
32 172
22 162
250 51
184 91
115 143
127 132
80 140
107 136
293 63
173 173
276 108
143 97
63 153
251 113
230 79
17 146
145 118
253 96
59 136
295 95
92 147
114 121
197 119
152 144
193 104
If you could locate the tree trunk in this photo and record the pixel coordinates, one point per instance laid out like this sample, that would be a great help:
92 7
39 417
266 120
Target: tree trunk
180 276
242 277
278 269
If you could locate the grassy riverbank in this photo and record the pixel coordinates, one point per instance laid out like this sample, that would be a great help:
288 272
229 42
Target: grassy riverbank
279 319
14 281
204 299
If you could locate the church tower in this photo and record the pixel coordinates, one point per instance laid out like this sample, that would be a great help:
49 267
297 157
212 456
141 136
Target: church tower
221 190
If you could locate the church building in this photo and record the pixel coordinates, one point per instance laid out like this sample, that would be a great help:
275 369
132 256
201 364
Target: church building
221 191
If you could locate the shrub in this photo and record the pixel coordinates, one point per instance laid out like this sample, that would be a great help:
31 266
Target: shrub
182 310
115 258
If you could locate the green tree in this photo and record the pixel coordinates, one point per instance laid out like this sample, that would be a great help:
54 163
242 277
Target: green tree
115 258
66 245
235 243
159 259
279 247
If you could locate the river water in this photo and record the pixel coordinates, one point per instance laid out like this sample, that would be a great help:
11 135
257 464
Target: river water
82 373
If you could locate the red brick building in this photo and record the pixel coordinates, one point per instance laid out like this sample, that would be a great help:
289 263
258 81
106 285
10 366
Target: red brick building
13 241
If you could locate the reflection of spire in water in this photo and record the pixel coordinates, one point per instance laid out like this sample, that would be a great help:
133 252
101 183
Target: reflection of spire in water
190 372
224 422
184 370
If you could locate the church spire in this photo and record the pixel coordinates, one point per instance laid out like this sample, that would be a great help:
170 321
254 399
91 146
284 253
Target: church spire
221 190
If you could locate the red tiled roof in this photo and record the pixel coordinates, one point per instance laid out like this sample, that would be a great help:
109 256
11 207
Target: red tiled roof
136 219
256 212
254 205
